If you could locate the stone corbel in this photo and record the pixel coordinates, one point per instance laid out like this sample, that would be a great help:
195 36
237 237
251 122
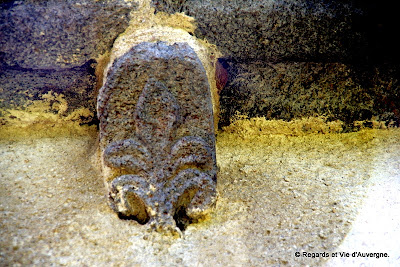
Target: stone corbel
157 137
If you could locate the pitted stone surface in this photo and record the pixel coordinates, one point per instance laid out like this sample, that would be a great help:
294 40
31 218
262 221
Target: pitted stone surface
275 30
56 35
157 136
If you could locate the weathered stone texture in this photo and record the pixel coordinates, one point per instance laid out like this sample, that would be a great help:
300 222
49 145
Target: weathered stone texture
59 34
76 84
274 30
157 135
49 48
290 59
330 35
301 89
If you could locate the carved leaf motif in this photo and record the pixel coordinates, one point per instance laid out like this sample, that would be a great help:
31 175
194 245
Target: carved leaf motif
192 151
128 198
202 187
130 155
164 180
148 157
157 113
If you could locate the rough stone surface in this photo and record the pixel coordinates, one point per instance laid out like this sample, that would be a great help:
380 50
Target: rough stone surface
171 29
48 52
59 34
275 30
157 136
319 40
301 89
65 91
278 194
293 59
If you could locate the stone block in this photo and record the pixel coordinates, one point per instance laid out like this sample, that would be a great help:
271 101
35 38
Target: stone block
293 90
157 139
59 34
275 30
62 95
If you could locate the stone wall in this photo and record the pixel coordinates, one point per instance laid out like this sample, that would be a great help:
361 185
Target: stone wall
59 34
290 90
274 30
49 48
283 59
291 59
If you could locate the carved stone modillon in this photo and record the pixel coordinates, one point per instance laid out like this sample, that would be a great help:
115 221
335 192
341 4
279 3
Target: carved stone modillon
157 136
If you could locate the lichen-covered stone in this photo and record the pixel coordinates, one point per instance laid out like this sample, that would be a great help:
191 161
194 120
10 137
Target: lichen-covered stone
63 93
48 53
157 135
290 90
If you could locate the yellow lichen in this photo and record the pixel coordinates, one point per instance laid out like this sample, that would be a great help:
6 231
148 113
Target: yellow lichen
244 126
56 102
78 114
49 113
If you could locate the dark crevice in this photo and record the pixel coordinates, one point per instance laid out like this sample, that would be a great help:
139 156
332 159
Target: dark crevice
133 218
181 219
89 67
